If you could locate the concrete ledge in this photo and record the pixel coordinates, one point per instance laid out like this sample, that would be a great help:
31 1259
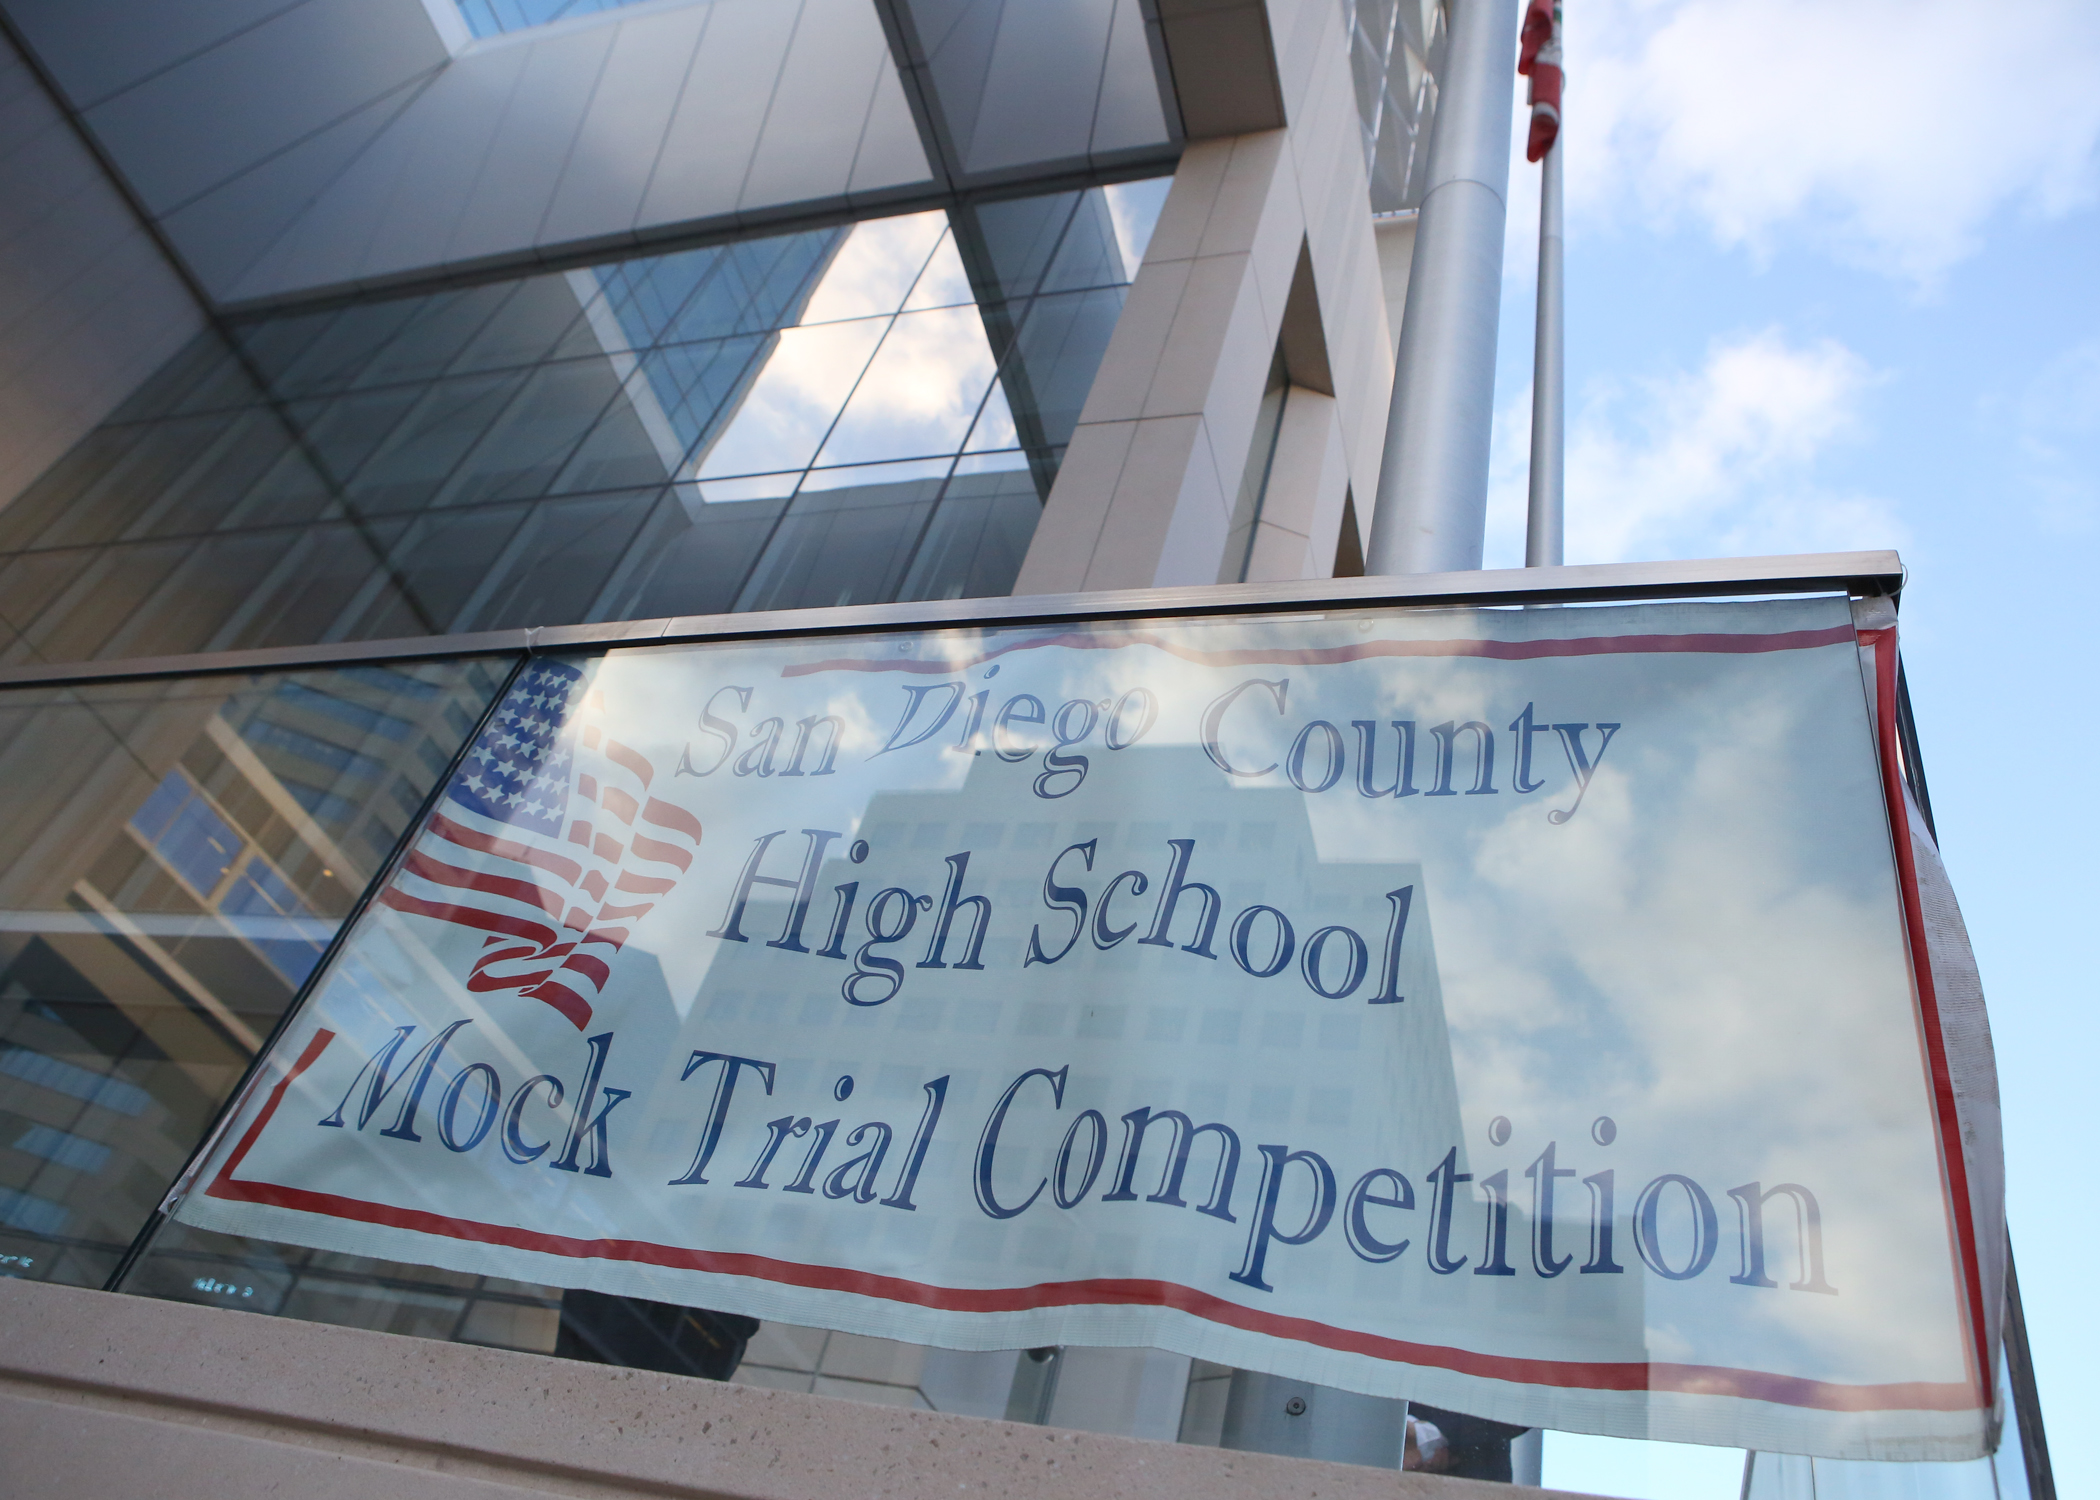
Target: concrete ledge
118 1397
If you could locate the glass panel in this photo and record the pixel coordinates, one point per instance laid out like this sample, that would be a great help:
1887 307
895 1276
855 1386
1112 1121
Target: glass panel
180 853
1341 835
945 282
113 499
1391 48
920 393
876 268
569 551
1135 207
978 537
809 377
333 502
431 342
847 542
425 449
327 581
693 555
1059 347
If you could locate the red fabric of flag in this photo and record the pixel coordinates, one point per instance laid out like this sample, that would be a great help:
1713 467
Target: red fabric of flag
1537 32
1545 102
1538 59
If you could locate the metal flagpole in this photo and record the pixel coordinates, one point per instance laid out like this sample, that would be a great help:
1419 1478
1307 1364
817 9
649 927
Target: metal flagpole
1544 525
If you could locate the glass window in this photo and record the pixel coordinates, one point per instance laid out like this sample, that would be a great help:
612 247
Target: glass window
180 854
1395 49
771 422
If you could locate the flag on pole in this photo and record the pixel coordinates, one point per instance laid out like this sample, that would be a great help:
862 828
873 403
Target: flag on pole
1539 60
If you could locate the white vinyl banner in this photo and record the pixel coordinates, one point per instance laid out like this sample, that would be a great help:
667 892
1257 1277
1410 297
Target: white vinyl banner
1521 1011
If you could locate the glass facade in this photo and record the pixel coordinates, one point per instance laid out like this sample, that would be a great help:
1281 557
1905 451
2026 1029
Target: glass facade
840 415
1396 49
179 855
833 416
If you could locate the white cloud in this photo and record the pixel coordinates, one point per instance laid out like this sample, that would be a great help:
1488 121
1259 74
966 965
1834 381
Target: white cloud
1886 132
1717 462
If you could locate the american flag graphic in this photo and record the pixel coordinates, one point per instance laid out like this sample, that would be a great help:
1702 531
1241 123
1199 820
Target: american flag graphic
549 841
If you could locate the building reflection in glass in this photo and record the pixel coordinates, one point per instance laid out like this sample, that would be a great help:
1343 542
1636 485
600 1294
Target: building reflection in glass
183 854
842 415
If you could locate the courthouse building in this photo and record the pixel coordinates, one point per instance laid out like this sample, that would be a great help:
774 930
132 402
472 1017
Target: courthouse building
334 322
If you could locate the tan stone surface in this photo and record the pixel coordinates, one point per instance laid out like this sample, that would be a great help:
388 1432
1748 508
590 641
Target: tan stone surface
114 1397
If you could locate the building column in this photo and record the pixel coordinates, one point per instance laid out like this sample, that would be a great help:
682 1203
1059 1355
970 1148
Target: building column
1145 495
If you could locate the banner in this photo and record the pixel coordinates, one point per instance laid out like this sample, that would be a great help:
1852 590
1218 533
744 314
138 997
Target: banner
1525 1011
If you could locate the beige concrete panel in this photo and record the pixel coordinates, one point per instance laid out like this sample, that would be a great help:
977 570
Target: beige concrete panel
114 1397
1063 546
1151 488
1169 510
1396 257
1331 501
1190 363
1297 35
1296 473
1301 515
1224 66
1334 197
1232 407
1202 320
1139 340
1193 550
1246 193
1279 242
1167 517
1186 213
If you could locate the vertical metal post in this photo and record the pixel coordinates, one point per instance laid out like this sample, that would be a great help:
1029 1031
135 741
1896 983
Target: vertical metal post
1545 521
1431 510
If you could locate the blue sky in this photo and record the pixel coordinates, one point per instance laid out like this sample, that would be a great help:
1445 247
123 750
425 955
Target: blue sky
1834 281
